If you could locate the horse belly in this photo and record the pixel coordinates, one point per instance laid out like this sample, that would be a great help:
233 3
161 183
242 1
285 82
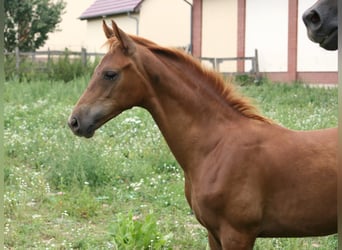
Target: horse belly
279 229
301 186
301 210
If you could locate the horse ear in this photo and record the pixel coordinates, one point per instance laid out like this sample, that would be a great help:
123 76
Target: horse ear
125 41
108 32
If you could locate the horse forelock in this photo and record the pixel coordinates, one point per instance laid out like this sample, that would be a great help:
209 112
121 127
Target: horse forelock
112 44
223 87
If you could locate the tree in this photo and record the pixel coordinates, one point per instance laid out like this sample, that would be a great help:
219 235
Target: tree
28 22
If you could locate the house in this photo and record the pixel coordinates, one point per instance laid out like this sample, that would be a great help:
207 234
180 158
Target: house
222 28
165 22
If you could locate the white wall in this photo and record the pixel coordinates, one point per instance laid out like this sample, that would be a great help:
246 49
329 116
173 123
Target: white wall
266 30
311 57
96 37
219 31
166 22
72 31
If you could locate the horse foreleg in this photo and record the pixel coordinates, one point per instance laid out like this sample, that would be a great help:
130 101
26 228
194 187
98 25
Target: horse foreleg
231 239
214 244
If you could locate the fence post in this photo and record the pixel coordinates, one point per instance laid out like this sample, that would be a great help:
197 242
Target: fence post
216 67
256 64
17 59
33 57
49 55
84 56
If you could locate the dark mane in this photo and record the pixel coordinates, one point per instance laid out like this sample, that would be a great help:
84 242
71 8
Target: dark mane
222 87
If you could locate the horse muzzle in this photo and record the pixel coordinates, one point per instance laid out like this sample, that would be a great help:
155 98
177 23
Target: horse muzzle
321 29
81 128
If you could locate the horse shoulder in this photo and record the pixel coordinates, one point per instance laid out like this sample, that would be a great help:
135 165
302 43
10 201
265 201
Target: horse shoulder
230 186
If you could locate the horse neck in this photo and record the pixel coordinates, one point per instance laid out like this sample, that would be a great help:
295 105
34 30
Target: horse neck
186 108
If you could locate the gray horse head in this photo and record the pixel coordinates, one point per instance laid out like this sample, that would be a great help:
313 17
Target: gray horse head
321 23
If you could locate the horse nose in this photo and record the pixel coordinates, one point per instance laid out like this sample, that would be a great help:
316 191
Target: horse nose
312 19
73 123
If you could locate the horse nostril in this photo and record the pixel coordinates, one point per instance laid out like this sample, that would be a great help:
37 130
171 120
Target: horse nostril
314 17
73 123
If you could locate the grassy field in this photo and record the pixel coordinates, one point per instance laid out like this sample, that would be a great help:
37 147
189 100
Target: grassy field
121 189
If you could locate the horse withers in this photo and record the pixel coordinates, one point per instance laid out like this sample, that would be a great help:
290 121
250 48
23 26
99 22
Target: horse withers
245 176
322 24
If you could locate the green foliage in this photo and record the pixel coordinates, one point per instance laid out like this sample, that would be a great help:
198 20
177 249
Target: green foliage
247 79
27 23
84 207
134 232
27 70
67 68
318 243
65 192
9 67
296 105
87 167
64 68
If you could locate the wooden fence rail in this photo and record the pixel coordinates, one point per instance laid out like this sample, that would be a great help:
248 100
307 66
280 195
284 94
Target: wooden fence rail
217 61
45 56
48 55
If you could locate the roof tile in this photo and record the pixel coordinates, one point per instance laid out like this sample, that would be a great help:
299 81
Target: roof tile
109 7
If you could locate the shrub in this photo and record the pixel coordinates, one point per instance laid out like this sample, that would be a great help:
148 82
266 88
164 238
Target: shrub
78 168
133 232
246 79
65 68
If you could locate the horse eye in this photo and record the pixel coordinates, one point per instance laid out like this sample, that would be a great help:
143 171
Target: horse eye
110 75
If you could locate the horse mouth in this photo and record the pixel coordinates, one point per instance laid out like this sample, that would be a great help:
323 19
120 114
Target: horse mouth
89 132
84 126
81 131
330 41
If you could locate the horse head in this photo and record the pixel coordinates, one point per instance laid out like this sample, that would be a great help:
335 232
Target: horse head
113 88
321 23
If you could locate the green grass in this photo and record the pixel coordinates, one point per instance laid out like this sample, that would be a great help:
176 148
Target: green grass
123 188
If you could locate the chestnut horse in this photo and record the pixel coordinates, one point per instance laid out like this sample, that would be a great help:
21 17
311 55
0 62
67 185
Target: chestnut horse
321 23
245 176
